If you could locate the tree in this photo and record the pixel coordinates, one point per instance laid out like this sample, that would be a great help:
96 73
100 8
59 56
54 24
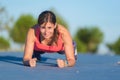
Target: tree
20 28
81 47
4 44
5 20
115 47
89 37
2 15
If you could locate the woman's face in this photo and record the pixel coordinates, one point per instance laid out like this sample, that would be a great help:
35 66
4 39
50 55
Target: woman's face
47 30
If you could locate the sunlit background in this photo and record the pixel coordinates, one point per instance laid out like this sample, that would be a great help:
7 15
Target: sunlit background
78 14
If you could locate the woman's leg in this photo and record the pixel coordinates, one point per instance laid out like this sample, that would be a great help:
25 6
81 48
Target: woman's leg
37 54
75 50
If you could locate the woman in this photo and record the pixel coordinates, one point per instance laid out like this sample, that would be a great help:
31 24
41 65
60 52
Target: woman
48 36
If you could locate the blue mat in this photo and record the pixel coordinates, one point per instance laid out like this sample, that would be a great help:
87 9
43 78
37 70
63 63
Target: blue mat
88 67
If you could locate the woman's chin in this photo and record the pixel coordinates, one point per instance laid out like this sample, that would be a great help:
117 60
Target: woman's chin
46 37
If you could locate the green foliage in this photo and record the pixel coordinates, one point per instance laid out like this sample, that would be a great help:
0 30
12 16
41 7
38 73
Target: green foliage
2 16
5 20
20 28
81 47
4 44
115 47
90 37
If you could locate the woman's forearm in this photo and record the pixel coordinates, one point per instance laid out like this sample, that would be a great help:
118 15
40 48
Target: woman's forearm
70 63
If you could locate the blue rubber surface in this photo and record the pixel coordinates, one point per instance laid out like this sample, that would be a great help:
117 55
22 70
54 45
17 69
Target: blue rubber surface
88 67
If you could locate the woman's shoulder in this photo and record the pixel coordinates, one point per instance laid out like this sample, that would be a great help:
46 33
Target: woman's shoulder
31 30
62 29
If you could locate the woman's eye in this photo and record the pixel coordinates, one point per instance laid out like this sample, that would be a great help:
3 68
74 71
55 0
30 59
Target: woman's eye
49 27
42 27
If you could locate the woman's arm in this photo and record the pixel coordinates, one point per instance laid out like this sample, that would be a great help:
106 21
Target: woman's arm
28 51
69 49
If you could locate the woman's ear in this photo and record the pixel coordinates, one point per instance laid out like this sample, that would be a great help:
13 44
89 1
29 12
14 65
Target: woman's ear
55 25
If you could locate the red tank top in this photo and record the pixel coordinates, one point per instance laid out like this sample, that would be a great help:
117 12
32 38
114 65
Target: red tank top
41 47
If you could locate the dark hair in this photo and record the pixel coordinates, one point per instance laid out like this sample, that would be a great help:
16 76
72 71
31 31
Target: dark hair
49 16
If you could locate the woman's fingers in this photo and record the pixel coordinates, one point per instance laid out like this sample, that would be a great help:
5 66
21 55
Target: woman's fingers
32 62
61 63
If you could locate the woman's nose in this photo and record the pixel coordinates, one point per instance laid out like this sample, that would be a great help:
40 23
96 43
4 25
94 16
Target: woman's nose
46 30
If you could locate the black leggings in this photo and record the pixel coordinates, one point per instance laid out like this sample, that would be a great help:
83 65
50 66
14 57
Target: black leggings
37 54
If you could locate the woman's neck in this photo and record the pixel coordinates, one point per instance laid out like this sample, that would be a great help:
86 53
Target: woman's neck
44 40
47 41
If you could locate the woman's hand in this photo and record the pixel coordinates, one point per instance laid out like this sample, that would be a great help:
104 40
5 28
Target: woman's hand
32 62
61 63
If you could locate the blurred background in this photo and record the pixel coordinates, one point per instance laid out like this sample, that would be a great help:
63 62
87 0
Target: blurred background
93 24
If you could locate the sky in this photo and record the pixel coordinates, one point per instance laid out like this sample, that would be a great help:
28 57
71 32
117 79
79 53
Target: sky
77 13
